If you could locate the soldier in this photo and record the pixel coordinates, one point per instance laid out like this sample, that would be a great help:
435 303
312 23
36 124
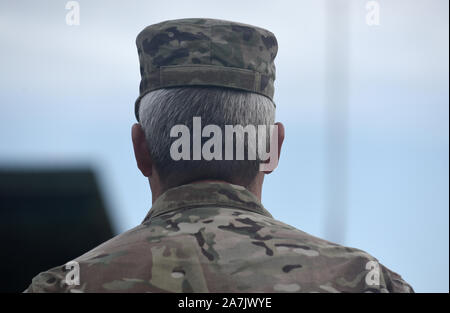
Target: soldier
207 230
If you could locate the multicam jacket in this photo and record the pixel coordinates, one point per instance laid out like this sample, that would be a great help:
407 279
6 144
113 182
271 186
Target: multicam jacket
217 237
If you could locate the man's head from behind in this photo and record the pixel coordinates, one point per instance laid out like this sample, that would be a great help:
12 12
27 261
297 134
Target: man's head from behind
209 72
161 110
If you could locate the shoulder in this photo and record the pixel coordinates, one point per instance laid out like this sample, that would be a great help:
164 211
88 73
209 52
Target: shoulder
394 282
48 281
333 267
101 259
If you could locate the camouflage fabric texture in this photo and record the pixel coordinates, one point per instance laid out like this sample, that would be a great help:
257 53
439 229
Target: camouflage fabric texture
206 52
217 237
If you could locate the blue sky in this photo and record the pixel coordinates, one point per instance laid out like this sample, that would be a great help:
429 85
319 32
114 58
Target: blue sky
67 96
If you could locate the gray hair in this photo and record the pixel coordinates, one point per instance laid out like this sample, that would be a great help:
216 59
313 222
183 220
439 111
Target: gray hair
162 109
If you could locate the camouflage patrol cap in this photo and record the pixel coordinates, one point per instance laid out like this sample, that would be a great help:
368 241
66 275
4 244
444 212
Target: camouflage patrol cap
206 52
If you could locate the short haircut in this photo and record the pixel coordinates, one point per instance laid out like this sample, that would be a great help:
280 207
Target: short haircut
162 109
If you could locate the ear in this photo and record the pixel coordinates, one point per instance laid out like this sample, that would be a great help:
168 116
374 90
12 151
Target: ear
280 137
272 164
143 159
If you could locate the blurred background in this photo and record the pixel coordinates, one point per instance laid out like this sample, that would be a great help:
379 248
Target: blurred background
362 88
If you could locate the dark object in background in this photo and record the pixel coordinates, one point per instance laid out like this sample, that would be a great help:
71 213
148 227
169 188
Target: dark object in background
47 218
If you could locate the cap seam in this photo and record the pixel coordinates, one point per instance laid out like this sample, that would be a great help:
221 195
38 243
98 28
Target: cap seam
210 45
237 69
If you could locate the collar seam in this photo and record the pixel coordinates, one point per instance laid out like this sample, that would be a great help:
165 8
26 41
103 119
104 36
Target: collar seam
214 204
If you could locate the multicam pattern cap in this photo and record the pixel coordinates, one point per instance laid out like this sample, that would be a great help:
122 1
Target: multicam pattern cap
206 52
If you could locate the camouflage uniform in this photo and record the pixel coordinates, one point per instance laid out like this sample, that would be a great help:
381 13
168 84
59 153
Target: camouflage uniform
217 237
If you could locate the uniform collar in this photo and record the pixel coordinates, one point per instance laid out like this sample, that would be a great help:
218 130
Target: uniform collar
206 194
